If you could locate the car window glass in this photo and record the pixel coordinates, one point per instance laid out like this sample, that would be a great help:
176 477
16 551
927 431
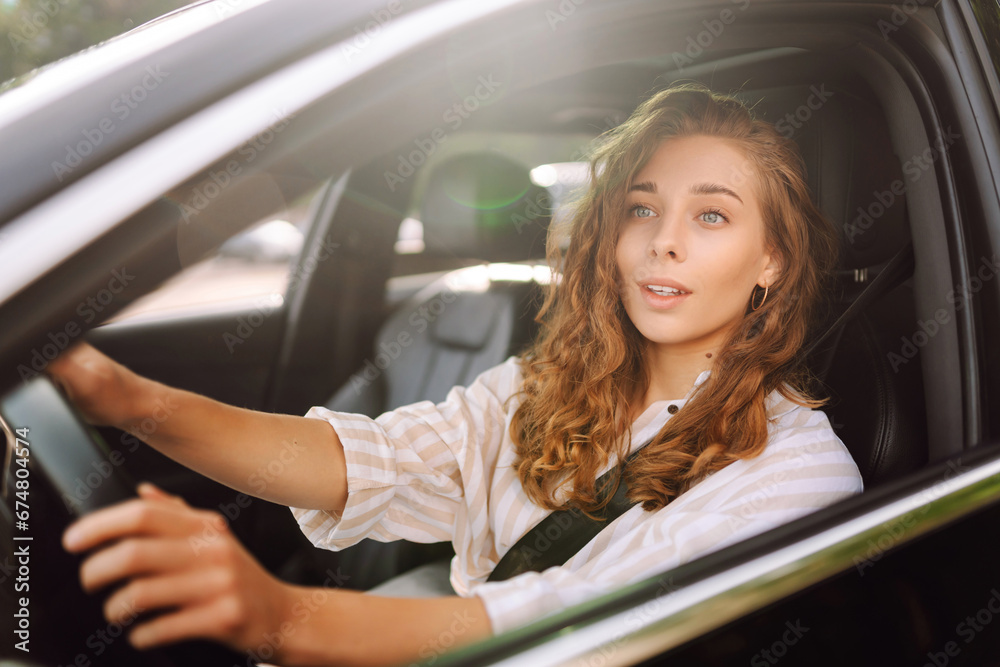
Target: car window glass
253 266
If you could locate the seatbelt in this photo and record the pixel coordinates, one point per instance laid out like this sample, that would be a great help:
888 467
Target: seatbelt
896 270
560 535
563 533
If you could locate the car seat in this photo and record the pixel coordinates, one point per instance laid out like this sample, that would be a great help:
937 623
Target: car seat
478 206
876 409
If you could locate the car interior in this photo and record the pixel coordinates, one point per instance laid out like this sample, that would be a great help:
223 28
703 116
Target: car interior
405 287
486 261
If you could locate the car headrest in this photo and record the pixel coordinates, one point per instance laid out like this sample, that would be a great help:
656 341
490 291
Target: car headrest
484 206
855 177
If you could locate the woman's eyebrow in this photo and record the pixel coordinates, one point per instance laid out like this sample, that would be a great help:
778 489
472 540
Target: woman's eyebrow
644 186
713 189
697 189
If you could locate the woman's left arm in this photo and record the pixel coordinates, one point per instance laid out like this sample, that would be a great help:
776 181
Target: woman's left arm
167 556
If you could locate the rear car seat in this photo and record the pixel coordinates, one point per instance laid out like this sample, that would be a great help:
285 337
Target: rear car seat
480 206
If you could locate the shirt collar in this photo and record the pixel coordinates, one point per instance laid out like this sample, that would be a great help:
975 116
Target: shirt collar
776 405
698 381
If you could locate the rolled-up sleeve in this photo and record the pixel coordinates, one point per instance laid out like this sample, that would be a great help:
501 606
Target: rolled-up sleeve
408 469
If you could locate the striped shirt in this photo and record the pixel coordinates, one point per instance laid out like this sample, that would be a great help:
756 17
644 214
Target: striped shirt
445 472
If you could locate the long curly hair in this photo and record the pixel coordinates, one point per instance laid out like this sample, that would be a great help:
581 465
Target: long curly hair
588 360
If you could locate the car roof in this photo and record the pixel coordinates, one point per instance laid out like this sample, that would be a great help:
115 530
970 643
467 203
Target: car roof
46 113
180 62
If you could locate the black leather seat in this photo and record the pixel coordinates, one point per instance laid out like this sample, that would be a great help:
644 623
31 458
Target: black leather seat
480 207
876 409
483 207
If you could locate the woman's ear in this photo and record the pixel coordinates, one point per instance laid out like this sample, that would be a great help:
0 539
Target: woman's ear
771 271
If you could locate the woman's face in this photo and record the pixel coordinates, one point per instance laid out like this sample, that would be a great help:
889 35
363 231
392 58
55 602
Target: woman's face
693 223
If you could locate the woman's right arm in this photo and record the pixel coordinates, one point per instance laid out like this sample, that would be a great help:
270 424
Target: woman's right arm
286 459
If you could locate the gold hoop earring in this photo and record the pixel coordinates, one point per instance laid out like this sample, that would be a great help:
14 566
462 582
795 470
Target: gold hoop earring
755 294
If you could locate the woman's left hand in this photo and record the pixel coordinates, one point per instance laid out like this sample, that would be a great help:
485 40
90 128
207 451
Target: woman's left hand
167 556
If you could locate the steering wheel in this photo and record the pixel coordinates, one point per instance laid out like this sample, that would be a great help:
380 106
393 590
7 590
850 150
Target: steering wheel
70 471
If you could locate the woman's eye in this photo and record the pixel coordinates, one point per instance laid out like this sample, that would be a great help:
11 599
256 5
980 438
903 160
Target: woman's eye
641 211
713 217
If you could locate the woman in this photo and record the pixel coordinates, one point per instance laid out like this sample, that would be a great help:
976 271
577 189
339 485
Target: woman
695 265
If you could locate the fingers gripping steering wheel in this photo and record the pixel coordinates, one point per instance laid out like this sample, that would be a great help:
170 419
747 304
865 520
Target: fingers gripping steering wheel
66 470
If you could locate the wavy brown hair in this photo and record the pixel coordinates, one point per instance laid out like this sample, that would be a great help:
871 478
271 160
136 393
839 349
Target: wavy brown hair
588 360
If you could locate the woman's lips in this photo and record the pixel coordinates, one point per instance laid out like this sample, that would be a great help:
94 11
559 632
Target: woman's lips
662 301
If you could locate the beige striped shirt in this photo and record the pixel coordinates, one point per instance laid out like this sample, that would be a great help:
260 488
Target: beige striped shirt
444 472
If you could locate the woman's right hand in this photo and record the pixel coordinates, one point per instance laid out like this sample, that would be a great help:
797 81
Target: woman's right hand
103 390
165 556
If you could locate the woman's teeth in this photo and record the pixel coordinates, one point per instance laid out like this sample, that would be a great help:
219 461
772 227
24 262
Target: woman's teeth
666 291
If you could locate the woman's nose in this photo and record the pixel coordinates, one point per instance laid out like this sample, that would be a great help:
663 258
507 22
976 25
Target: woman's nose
668 237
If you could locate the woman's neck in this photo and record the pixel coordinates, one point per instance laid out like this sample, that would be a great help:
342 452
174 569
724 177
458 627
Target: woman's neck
671 375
